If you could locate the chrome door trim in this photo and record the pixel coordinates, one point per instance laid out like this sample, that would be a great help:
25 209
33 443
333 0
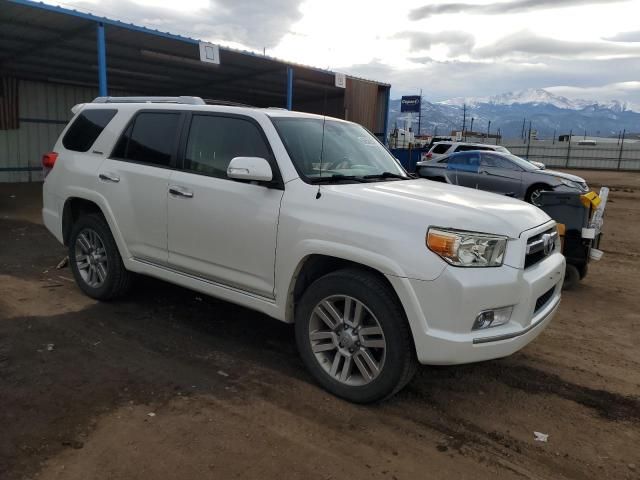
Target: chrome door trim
208 281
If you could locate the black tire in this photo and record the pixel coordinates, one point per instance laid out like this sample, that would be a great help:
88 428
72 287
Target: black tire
584 270
117 280
400 361
571 277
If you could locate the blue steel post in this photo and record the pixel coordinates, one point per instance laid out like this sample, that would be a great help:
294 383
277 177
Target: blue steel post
386 117
289 88
102 62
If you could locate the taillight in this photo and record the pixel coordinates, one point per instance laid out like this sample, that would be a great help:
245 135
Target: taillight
48 161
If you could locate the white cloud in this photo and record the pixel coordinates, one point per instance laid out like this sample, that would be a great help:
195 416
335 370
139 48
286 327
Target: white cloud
448 48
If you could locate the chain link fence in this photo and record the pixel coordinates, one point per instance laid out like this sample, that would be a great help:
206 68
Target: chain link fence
623 156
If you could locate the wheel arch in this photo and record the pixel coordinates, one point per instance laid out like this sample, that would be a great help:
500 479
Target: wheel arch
534 186
314 266
77 205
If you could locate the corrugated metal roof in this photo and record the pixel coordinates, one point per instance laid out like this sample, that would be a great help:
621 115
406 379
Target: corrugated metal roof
65 24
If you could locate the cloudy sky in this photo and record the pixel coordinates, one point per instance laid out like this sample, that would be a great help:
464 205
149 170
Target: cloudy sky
577 48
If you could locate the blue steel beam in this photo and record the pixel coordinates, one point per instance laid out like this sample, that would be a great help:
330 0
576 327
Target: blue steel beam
386 116
289 88
102 61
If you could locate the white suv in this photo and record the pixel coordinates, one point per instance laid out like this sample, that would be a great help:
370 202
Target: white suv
309 220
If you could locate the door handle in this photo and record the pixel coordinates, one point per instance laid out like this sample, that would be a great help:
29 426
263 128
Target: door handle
109 177
180 191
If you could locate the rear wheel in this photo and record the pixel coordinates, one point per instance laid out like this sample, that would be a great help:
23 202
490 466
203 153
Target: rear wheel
353 336
95 261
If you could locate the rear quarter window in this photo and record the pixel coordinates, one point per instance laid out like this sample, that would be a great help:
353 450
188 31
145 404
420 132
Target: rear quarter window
86 128
466 148
442 148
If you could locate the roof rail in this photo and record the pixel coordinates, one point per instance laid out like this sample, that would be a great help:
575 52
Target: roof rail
182 100
213 101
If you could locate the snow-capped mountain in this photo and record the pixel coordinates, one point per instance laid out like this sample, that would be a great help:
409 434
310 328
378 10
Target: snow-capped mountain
538 96
548 113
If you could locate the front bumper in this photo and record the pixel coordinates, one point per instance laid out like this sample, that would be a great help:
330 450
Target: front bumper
441 312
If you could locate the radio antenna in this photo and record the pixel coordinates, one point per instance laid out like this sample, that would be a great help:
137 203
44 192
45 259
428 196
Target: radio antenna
324 121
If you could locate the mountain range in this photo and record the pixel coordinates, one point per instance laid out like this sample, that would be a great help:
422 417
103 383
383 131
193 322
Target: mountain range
548 113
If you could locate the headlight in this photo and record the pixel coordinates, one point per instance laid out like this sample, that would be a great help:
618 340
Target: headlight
571 184
467 249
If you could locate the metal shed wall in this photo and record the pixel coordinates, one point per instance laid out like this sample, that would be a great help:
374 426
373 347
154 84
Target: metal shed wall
45 108
365 103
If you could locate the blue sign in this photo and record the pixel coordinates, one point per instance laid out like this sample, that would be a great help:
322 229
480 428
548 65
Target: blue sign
410 103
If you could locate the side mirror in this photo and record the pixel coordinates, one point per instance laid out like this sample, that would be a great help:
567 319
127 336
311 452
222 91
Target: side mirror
255 169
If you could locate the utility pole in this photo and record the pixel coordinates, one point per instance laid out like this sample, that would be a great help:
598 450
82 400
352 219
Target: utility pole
488 130
621 147
420 113
471 128
498 135
554 137
464 117
523 122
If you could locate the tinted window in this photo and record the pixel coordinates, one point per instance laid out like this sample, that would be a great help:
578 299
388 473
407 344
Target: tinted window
151 138
442 148
466 148
464 161
214 141
86 128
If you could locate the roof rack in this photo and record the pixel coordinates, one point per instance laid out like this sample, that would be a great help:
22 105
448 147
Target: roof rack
182 100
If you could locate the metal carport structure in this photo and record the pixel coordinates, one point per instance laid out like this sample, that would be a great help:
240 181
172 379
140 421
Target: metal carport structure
53 57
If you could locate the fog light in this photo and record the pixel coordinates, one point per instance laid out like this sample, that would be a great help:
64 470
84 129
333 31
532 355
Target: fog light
492 318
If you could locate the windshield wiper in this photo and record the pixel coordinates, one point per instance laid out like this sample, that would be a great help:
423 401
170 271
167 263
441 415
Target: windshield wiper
336 178
386 175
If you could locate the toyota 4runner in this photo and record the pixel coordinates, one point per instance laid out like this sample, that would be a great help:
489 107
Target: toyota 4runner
308 219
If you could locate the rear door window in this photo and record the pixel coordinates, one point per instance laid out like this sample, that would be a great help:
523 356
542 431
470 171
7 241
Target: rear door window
215 140
86 128
468 162
151 138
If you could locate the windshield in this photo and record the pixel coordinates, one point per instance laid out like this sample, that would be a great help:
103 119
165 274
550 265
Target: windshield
521 162
349 152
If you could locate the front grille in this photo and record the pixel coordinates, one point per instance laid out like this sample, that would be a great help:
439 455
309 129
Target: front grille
544 299
536 251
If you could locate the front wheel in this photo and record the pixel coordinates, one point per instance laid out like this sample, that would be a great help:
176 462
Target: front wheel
534 194
353 336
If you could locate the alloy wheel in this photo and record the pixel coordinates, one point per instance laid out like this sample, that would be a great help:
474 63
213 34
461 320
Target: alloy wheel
347 340
91 258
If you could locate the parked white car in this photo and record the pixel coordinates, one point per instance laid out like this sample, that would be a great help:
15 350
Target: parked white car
445 148
309 220
441 149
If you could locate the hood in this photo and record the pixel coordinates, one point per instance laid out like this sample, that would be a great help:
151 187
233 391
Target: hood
451 206
568 176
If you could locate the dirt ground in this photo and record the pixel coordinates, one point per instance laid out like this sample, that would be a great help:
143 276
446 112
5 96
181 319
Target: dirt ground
168 384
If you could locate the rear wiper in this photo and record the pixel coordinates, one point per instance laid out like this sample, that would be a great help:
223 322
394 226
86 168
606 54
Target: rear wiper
336 178
386 175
